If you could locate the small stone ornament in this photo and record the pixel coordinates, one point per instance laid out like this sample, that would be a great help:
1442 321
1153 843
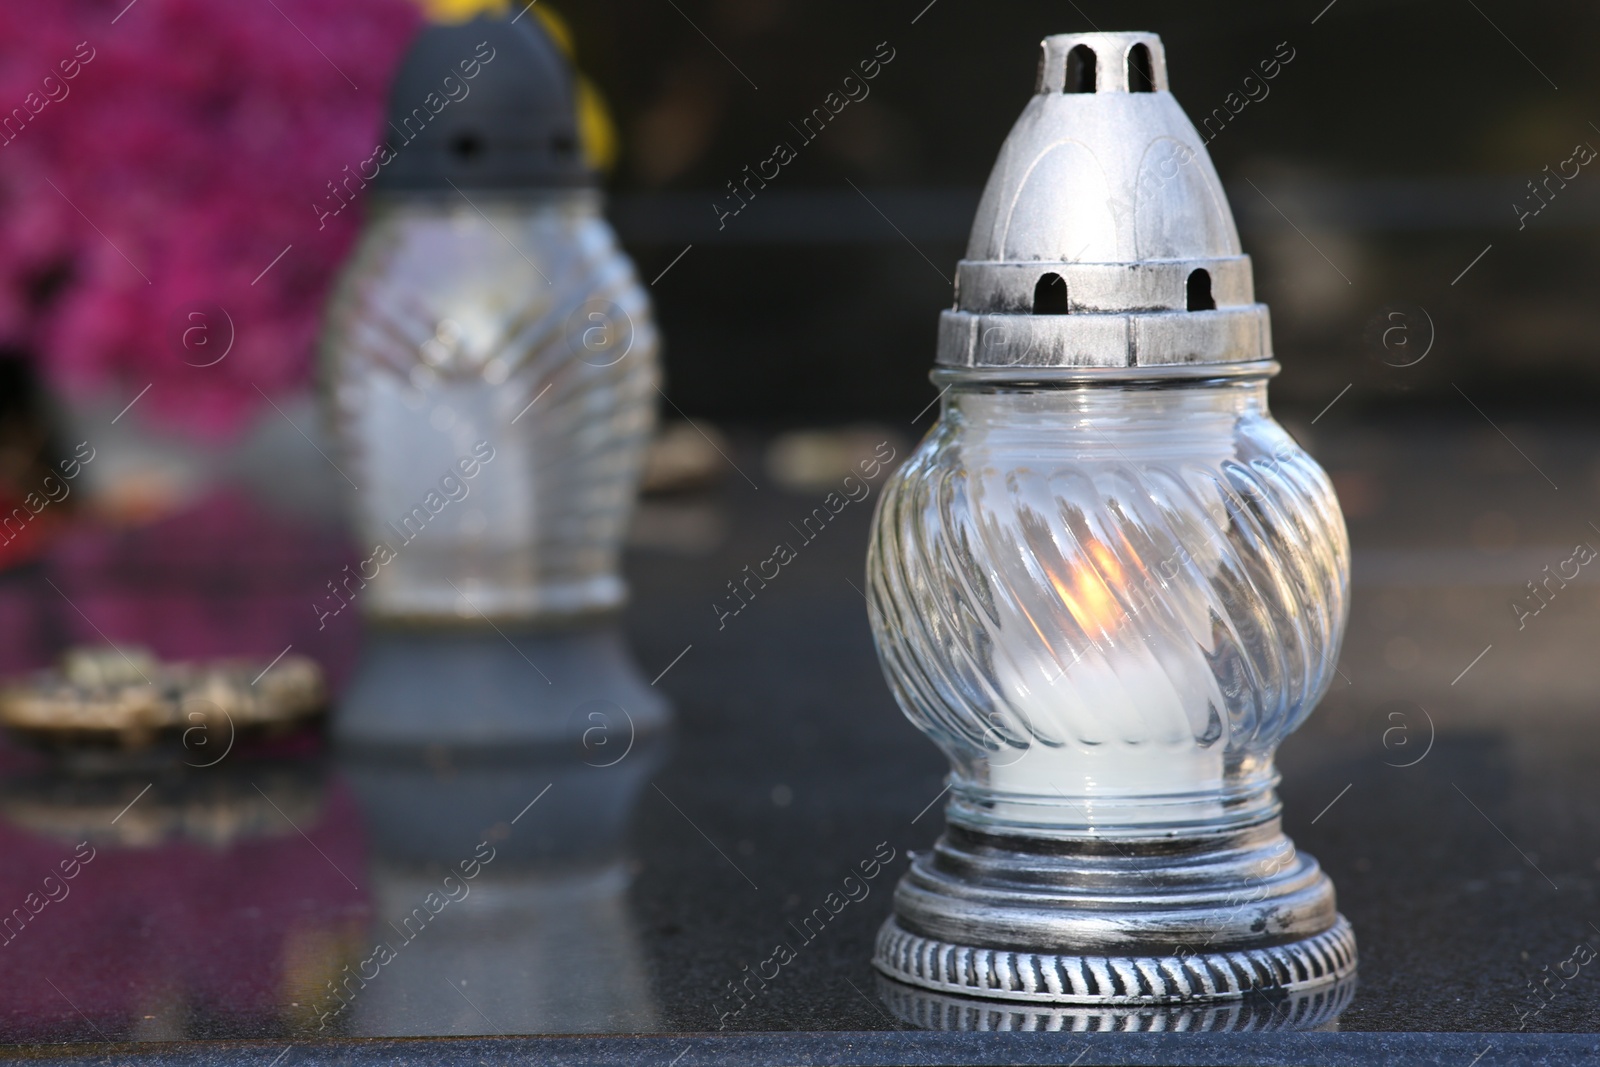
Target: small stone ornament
1108 584
128 699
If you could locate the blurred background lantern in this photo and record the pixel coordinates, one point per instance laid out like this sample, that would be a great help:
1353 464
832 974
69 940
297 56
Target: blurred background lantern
492 363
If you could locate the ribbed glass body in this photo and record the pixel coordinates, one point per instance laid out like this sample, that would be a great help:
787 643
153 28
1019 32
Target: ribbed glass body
1108 603
494 369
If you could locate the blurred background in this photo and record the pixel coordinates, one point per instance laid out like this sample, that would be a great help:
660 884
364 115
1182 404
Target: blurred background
1388 153
1393 147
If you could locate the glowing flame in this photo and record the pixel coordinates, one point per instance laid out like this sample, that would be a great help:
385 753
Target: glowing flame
1089 591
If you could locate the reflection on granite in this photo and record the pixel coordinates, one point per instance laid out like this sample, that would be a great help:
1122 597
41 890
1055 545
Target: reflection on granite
476 687
147 806
210 898
497 769
389 894
500 895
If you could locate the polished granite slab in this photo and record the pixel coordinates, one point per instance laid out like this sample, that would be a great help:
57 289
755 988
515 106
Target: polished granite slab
618 881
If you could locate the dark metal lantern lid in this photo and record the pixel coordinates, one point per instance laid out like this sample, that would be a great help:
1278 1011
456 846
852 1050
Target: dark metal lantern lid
485 104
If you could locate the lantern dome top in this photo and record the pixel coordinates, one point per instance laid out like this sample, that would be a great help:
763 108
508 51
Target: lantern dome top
486 104
1104 237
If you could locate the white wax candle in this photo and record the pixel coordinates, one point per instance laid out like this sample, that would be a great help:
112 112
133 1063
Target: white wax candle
1122 719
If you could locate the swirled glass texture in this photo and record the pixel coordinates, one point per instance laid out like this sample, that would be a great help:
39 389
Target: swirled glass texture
510 323
1108 603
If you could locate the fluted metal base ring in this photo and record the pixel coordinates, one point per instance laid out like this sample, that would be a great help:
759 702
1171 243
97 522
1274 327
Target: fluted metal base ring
1313 1009
1062 979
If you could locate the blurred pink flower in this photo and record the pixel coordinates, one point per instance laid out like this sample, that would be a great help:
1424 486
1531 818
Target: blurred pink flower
167 174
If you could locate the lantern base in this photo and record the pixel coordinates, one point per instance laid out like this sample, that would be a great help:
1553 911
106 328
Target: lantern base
1311 1009
1136 920
502 689
1047 978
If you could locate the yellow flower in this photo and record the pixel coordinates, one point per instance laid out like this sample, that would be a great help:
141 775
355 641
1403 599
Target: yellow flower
461 10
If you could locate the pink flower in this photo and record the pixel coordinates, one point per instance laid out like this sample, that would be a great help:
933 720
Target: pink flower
164 178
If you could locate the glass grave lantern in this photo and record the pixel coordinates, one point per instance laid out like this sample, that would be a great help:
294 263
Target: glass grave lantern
1108 584
492 364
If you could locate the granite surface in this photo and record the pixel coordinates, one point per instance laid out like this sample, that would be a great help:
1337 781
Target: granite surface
623 883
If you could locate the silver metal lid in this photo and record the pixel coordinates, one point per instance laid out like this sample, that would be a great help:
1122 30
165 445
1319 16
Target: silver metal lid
1104 238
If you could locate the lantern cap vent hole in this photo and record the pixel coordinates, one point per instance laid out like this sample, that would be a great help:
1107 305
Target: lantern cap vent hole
1080 70
1141 76
1050 296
